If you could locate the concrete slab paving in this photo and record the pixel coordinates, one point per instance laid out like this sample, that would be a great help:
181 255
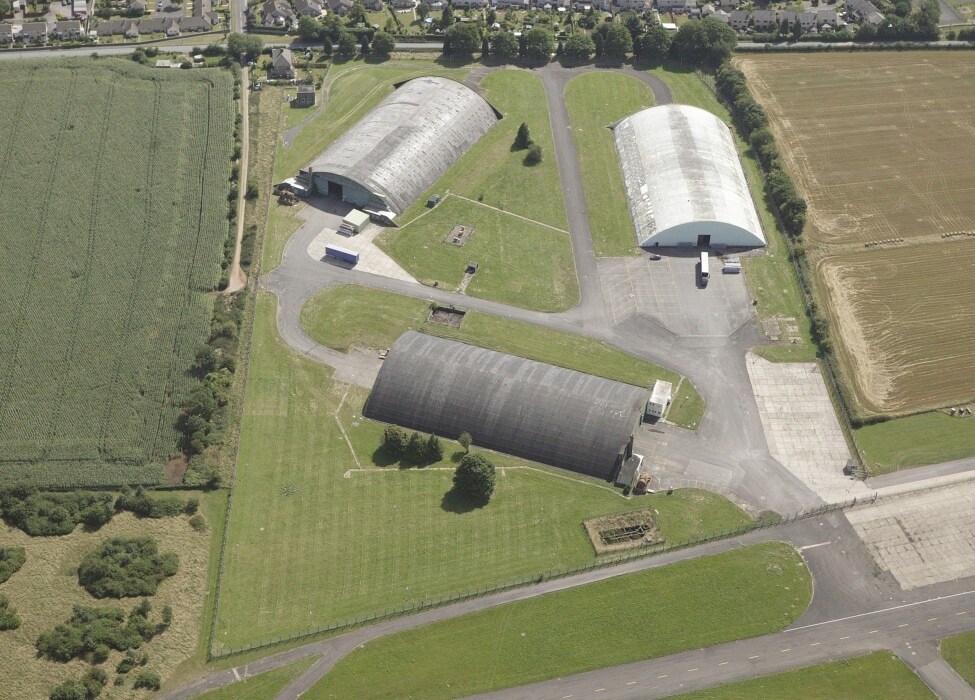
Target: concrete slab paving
801 426
667 291
922 538
371 258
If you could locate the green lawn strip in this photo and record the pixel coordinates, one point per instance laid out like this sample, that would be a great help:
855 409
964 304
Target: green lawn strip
282 222
876 676
347 316
959 652
521 263
748 592
594 101
927 438
309 546
687 407
263 686
771 277
493 173
354 90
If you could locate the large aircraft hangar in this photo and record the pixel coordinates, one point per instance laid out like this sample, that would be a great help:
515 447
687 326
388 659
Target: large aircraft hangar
520 407
684 181
398 150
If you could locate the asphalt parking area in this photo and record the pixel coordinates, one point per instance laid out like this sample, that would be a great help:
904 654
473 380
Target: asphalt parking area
922 538
667 291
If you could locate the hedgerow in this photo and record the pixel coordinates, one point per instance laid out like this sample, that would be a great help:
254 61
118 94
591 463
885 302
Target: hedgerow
45 514
126 568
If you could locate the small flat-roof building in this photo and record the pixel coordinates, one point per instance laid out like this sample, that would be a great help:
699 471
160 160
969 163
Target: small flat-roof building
354 222
684 181
520 407
384 162
305 96
659 398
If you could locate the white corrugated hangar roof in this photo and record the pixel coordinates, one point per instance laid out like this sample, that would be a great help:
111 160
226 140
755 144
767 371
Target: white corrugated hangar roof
684 179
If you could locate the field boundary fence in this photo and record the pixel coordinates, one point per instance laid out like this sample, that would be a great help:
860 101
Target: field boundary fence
534 579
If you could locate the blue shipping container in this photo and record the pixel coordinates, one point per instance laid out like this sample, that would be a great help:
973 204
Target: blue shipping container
343 254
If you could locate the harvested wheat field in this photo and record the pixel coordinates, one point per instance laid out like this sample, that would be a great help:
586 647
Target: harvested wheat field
881 144
907 320
881 147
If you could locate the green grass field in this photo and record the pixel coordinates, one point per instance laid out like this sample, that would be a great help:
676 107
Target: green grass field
311 542
959 651
507 249
748 592
876 676
348 316
594 101
927 438
263 686
494 180
114 197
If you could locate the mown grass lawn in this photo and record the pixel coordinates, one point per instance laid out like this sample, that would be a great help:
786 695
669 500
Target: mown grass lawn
747 592
263 686
520 262
927 438
594 101
959 652
876 676
312 542
346 317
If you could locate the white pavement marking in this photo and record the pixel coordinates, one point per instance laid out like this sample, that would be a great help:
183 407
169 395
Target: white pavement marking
878 612
922 538
813 546
801 427
371 257
236 675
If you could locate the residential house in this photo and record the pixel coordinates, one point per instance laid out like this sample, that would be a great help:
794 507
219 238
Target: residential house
788 17
277 13
34 33
865 11
130 29
828 19
282 64
372 5
638 5
739 20
195 24
722 16
465 4
807 20
6 34
765 20
171 26
137 7
403 4
309 8
68 29
340 7
305 97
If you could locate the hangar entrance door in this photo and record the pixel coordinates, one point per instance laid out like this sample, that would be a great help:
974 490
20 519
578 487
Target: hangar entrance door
334 190
702 240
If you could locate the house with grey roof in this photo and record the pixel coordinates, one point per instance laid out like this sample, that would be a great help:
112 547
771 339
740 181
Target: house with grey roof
765 19
865 11
67 29
6 33
309 8
34 33
340 7
277 13
739 20
282 64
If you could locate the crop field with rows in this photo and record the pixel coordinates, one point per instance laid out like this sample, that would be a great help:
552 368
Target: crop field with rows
114 198
882 149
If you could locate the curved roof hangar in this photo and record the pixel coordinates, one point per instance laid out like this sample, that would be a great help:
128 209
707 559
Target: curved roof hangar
529 409
404 145
684 179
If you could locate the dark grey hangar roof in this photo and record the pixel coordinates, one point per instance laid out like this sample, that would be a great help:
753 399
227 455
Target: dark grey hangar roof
410 139
529 409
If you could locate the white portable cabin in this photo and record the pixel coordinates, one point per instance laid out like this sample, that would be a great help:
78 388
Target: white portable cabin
659 398
354 222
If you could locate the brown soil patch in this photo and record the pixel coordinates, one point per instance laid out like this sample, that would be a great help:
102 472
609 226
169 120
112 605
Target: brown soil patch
175 469
612 533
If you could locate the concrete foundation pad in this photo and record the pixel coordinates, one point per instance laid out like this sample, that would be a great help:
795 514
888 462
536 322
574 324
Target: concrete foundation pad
371 257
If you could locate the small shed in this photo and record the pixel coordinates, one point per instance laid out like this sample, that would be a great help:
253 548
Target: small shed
659 398
305 96
354 222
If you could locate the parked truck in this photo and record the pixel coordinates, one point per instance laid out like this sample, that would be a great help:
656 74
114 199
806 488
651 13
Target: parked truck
343 254
705 274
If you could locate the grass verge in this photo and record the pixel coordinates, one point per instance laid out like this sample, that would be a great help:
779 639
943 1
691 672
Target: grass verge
594 101
263 686
348 316
311 541
927 438
876 676
751 591
959 652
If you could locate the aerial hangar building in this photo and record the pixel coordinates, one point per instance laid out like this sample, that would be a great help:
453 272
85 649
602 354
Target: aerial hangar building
400 148
684 181
520 407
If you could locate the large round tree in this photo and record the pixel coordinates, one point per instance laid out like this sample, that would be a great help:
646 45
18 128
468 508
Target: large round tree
474 478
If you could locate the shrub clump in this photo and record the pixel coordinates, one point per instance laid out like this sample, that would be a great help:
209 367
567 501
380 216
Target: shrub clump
399 445
123 568
9 619
148 679
146 506
198 523
42 514
92 632
88 687
11 559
